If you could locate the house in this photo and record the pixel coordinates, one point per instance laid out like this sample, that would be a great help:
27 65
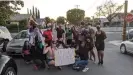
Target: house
14 19
102 21
118 19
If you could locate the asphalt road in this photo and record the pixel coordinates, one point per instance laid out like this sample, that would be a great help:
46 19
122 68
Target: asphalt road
115 63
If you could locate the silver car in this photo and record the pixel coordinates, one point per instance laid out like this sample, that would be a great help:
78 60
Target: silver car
15 45
126 46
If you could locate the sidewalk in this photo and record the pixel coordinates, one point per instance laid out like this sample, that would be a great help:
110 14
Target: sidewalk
115 42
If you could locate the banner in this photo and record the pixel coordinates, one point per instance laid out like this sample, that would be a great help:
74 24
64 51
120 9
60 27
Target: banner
64 57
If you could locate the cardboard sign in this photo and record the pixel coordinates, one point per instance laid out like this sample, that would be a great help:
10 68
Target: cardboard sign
64 57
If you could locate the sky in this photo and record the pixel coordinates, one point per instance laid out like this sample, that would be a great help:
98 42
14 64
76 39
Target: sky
55 8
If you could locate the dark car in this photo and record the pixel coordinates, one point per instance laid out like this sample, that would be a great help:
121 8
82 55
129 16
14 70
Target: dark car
7 65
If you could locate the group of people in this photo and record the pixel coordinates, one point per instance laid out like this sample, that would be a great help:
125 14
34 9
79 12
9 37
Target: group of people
42 44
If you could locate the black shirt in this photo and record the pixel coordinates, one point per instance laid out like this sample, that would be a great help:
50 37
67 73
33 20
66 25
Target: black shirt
83 53
59 32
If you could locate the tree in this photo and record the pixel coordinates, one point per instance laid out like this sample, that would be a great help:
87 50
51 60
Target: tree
8 8
109 10
28 11
60 20
75 16
47 20
38 13
131 11
33 10
87 19
52 20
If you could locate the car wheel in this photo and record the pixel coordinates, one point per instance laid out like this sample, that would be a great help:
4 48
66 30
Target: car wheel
123 49
10 71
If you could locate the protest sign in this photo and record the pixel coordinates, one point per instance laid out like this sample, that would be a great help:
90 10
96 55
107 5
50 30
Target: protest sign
64 57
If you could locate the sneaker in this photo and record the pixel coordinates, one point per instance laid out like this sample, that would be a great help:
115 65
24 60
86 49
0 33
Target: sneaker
99 63
59 68
85 69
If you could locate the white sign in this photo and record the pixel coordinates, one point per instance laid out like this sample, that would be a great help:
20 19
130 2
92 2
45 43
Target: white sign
64 57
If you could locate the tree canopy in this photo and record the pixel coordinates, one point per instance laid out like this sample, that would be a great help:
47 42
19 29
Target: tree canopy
87 19
8 8
60 20
109 10
75 16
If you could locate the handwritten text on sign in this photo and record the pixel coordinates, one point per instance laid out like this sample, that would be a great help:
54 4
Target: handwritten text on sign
64 57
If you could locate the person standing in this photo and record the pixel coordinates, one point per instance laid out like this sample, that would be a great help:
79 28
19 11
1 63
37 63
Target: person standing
69 36
100 44
48 35
92 34
60 32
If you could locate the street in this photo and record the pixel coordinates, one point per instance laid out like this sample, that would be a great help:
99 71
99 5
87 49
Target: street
115 63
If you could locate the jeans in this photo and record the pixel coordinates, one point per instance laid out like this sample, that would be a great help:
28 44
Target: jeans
81 63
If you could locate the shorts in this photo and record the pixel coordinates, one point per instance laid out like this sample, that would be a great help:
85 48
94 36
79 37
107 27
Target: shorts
49 60
100 46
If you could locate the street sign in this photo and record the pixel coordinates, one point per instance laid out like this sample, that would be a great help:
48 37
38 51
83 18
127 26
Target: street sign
129 18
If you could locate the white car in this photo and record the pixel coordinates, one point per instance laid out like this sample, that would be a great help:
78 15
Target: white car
5 37
126 46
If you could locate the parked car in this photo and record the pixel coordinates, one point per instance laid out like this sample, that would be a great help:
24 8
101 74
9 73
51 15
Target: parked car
5 37
7 65
126 46
15 45
129 34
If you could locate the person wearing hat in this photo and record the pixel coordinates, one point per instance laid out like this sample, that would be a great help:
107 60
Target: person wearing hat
100 44
35 41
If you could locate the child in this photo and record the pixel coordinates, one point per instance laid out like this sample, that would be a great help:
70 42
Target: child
26 52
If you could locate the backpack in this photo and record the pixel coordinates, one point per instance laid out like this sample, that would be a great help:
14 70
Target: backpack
38 45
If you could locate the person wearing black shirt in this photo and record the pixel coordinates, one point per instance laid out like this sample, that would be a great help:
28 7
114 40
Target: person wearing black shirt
100 45
60 32
83 51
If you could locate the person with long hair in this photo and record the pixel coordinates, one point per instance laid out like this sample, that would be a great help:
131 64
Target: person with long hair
100 44
49 50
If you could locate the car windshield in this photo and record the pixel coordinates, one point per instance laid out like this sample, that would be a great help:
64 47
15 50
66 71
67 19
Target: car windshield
4 30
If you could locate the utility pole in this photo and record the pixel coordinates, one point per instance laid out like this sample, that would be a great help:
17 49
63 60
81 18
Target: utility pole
125 23
77 6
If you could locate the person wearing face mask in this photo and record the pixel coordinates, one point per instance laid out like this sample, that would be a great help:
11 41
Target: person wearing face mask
100 45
